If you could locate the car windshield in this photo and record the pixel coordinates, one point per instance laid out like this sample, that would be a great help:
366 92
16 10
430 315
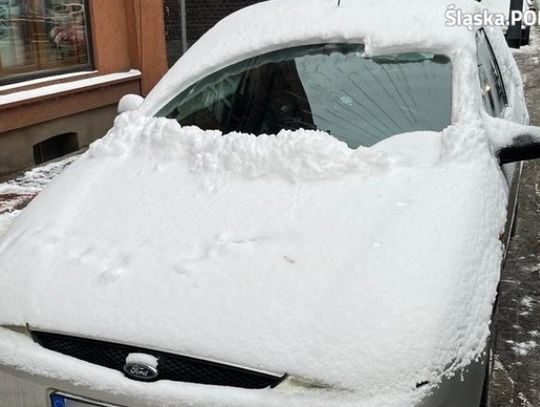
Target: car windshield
330 87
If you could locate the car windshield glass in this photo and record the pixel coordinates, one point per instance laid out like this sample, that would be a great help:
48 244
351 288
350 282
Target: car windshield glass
333 87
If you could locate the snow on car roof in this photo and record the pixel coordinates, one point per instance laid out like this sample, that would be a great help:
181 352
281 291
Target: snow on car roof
383 26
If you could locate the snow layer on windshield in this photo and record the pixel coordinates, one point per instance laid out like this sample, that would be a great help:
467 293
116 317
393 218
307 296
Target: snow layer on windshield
366 270
383 26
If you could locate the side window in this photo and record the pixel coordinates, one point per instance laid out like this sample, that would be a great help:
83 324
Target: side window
491 82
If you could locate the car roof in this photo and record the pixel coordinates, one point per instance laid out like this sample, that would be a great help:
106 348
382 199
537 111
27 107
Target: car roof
383 26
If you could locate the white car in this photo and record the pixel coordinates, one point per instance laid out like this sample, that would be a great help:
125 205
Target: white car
308 210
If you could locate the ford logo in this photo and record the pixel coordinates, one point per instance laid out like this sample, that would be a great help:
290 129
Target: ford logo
139 371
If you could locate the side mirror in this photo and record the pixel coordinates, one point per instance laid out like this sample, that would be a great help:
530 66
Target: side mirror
129 102
513 142
524 147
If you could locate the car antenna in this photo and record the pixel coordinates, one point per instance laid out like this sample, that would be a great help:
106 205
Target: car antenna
338 3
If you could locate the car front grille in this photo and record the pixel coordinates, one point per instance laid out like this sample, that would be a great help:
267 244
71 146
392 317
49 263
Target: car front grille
170 366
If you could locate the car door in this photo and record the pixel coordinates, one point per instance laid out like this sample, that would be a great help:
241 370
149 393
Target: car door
495 101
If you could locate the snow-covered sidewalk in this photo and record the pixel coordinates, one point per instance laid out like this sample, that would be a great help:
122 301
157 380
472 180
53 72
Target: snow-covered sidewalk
17 193
516 377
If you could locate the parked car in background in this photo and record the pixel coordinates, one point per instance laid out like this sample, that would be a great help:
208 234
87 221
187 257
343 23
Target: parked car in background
504 7
309 209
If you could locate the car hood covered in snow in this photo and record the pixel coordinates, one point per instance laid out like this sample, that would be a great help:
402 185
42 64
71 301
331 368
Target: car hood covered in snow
367 270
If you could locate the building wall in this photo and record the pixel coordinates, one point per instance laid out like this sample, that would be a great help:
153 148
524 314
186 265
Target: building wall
16 146
126 35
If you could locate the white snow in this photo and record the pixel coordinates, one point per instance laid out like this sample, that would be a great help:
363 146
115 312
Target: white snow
6 219
142 358
34 180
503 133
18 192
31 82
66 86
129 102
522 348
383 26
20 351
523 400
207 241
527 301
366 271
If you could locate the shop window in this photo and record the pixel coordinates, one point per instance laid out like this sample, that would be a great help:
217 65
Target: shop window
42 37
55 147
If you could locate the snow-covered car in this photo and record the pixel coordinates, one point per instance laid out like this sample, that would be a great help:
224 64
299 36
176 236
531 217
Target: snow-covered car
308 210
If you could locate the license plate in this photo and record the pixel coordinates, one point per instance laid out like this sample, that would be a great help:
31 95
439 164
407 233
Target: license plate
64 400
